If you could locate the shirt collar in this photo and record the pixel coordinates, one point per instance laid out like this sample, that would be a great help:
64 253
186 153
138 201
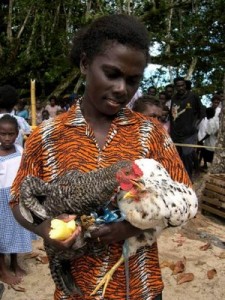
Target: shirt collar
75 117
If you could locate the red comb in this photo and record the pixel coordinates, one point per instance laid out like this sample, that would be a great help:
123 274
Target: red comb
137 170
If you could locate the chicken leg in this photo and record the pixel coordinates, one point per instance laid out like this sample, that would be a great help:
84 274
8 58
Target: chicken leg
108 276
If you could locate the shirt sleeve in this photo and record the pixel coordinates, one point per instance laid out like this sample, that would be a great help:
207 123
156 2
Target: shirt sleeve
31 164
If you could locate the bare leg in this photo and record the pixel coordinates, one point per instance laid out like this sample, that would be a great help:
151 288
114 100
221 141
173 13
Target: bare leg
14 266
5 274
108 276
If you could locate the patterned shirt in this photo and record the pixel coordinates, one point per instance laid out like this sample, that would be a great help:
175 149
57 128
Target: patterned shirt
68 142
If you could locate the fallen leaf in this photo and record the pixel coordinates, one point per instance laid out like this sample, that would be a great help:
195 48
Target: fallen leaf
221 255
185 277
167 264
211 273
206 247
179 266
18 288
179 240
31 255
42 259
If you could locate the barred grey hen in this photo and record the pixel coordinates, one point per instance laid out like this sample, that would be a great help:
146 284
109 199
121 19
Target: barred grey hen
73 193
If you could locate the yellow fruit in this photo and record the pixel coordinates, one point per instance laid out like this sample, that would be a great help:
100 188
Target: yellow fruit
61 230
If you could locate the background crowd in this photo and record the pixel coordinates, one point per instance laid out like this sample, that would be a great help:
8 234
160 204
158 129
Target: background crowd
189 123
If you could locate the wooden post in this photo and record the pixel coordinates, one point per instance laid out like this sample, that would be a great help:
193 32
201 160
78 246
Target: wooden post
33 103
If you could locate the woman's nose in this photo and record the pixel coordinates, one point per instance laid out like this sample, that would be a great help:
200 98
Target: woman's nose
121 87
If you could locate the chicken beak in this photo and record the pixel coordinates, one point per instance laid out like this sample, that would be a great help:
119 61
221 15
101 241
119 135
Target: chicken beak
138 184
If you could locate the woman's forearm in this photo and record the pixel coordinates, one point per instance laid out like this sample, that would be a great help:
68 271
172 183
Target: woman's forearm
22 221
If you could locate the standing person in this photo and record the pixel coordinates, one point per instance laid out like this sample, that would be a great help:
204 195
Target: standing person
216 104
21 110
169 91
210 125
152 90
186 113
39 110
52 108
13 237
45 115
8 99
162 98
101 125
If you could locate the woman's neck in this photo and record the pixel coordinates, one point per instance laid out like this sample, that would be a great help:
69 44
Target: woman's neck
93 116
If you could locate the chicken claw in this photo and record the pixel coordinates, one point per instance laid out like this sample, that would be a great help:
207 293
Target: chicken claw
108 276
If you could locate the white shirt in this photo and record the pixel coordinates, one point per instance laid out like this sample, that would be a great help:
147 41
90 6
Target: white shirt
9 169
212 129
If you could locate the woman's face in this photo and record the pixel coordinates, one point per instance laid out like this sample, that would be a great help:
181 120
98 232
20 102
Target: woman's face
112 78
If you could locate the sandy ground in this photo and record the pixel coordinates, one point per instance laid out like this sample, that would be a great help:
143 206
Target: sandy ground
181 247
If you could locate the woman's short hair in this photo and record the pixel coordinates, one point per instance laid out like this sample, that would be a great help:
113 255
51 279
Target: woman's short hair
124 29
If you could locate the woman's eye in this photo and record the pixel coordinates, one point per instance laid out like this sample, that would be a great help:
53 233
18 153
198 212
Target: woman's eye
111 75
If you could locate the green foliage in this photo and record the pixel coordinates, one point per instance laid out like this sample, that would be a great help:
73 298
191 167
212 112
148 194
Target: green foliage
37 42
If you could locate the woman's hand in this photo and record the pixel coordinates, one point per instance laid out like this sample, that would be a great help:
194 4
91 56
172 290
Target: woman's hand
114 232
44 228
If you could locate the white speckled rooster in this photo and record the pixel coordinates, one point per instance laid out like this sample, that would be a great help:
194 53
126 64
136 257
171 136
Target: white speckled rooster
150 200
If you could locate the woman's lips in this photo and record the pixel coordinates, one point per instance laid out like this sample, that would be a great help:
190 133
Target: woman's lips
115 103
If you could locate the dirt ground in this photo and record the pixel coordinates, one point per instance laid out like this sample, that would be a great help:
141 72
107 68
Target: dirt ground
196 250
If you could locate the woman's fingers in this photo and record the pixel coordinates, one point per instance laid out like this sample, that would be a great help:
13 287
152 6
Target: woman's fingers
66 218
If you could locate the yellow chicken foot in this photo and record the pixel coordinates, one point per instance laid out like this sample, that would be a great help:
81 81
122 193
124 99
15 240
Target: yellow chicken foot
108 276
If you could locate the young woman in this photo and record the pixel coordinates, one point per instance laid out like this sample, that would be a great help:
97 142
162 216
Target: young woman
97 131
13 237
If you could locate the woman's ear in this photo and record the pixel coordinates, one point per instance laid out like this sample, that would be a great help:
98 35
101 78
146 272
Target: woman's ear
83 63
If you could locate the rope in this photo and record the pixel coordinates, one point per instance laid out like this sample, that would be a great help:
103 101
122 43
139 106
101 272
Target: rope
198 146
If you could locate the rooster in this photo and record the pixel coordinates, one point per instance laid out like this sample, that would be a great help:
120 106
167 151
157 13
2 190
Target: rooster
150 200
142 190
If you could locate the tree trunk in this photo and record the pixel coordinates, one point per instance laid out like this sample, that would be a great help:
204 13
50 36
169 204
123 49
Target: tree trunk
9 23
218 165
169 37
64 84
